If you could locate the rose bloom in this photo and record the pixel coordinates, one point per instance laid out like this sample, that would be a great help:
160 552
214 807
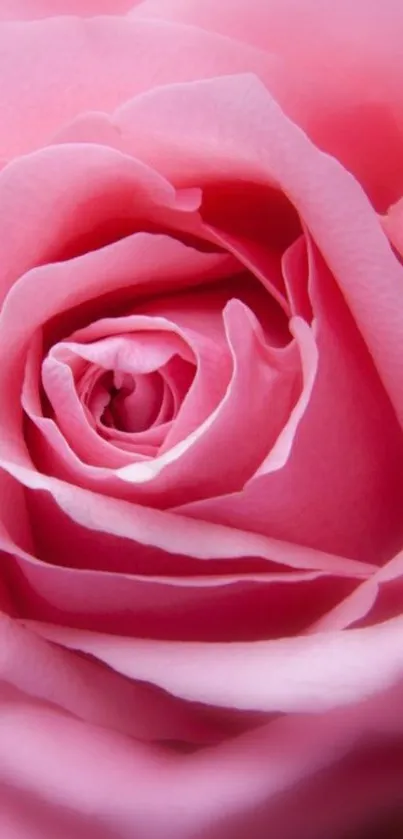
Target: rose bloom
201 451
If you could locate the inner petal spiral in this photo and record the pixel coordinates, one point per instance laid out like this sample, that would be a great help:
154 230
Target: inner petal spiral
128 388
127 402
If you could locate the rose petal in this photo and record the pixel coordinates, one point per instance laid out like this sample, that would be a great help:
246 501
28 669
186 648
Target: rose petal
105 187
219 785
199 325
189 467
70 283
137 352
348 505
254 223
216 608
78 65
177 534
256 141
37 9
373 601
133 589
312 673
197 319
295 270
393 225
44 437
49 674
122 586
341 72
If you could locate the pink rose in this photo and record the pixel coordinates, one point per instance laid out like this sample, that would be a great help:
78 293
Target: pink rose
201 451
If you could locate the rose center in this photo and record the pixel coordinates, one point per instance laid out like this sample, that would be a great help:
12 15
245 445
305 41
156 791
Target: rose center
135 402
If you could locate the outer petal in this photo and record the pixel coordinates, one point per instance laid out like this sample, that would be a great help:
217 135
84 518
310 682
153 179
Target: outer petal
112 786
316 672
51 676
250 137
37 9
108 583
175 534
53 70
342 68
108 193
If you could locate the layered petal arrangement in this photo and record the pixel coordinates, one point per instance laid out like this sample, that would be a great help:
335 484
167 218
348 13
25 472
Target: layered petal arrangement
201 447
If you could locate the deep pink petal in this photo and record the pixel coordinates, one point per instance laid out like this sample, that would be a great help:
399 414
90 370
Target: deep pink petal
377 599
177 534
126 586
233 607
